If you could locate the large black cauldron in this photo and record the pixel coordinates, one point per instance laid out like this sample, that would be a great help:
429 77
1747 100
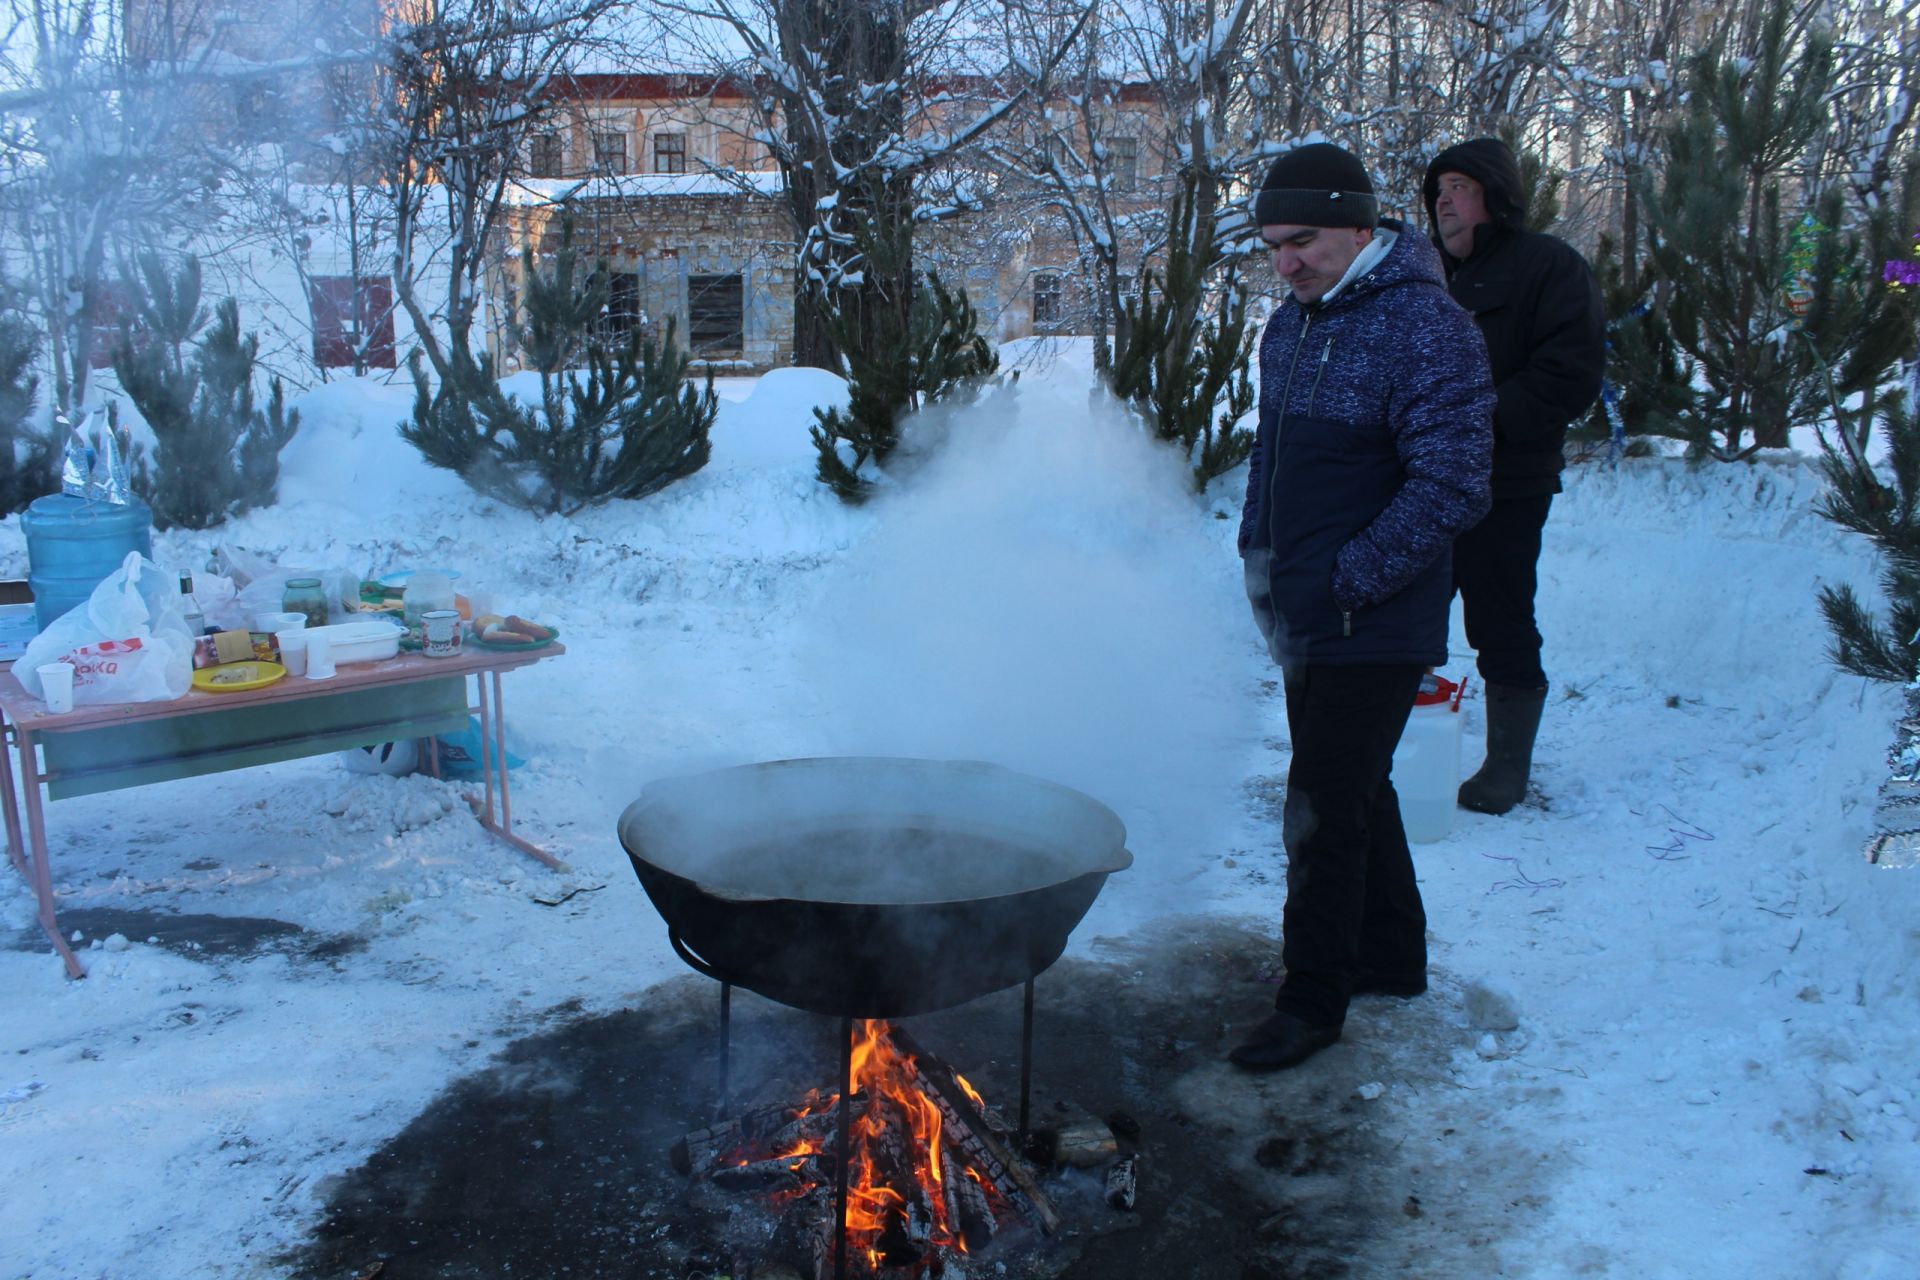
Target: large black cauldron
870 887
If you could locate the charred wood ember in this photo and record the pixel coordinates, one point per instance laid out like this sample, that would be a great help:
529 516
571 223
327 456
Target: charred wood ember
796 1235
781 1173
779 1128
1123 1182
967 1206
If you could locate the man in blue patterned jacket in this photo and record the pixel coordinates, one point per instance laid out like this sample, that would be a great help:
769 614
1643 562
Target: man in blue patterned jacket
1374 451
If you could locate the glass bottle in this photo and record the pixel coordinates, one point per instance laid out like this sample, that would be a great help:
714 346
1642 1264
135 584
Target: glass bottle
304 595
190 607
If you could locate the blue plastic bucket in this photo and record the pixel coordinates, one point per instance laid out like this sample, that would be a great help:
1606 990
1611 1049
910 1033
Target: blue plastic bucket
73 544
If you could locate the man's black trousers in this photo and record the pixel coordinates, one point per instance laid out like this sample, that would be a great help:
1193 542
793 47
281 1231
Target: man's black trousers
1495 572
1352 902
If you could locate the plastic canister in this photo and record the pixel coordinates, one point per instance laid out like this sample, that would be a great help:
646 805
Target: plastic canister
1426 764
73 544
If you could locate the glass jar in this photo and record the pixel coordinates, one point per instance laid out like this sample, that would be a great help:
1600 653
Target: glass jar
304 595
427 592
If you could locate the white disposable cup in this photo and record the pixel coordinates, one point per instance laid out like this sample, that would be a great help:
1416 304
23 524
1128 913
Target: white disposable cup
319 657
293 650
278 622
56 686
480 603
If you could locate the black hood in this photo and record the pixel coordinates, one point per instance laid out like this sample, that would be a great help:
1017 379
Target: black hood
1489 162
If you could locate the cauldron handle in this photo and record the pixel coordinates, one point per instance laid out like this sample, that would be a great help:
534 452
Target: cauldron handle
693 961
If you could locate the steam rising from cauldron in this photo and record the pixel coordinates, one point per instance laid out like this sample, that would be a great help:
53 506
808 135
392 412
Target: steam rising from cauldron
1039 596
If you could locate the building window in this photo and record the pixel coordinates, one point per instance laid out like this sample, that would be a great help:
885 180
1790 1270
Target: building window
669 153
547 156
716 315
610 151
623 314
1048 305
352 321
1123 163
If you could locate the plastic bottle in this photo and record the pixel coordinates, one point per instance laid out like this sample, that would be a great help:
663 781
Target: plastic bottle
73 544
1426 764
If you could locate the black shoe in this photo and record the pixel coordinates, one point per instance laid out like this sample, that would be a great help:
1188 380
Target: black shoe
1405 985
1282 1041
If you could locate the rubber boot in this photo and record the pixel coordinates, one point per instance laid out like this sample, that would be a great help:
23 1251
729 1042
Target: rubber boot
1513 718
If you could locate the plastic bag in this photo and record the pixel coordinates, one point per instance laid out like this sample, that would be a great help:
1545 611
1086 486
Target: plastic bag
128 643
261 584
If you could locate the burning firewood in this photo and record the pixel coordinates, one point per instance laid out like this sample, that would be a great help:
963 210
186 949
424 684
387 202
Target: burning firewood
782 1173
782 1127
967 1128
967 1207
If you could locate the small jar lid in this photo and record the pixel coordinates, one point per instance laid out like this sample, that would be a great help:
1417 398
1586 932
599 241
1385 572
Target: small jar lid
303 582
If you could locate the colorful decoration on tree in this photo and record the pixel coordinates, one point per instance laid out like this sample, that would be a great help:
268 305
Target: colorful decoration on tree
1803 250
1904 273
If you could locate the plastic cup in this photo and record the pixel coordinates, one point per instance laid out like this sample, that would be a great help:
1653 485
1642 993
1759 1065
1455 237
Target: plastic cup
480 602
319 657
293 650
277 622
56 686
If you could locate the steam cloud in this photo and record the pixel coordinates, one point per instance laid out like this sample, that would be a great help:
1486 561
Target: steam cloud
1038 598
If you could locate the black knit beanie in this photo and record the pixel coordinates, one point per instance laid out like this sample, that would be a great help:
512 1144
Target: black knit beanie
1318 185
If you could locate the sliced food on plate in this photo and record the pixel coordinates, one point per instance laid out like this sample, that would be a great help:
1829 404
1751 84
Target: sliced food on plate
492 628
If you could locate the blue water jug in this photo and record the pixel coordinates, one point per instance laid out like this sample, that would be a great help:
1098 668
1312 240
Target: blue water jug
73 544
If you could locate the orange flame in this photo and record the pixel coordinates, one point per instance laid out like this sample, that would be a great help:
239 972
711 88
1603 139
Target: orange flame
888 1097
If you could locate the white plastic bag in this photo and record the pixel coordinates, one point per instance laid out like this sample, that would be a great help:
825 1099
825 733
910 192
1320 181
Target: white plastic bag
128 643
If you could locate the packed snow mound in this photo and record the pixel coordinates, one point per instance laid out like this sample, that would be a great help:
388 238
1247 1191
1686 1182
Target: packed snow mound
348 455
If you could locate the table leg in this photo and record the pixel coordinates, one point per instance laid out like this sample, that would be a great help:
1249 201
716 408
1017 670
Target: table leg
486 742
16 843
42 874
500 751
429 749
493 759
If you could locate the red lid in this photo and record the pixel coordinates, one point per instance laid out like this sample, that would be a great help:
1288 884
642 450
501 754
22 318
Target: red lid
1434 690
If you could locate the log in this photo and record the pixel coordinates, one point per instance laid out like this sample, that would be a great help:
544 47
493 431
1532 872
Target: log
781 1173
968 1213
977 1142
1123 1182
766 1129
1078 1139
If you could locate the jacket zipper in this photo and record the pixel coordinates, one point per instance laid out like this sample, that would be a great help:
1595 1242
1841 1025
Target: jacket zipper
1280 425
1313 394
1286 390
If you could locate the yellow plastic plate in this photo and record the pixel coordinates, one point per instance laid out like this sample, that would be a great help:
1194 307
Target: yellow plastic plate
237 677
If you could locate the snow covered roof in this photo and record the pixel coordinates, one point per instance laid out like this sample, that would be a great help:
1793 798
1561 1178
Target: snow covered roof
533 192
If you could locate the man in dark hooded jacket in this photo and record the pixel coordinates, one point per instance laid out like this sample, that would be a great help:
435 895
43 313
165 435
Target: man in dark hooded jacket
1372 454
1539 310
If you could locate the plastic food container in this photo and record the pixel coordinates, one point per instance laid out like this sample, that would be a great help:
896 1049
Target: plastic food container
360 641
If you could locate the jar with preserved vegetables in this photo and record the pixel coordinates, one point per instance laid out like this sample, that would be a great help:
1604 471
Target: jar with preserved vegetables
304 595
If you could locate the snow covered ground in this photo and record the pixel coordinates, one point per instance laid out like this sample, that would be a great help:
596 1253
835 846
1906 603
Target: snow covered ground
1718 1052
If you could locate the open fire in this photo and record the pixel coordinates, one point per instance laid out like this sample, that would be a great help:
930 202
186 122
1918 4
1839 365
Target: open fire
931 1173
